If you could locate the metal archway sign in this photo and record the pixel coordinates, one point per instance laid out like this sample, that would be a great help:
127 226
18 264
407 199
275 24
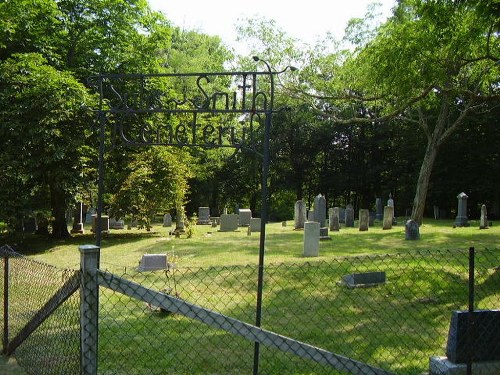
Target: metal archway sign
146 110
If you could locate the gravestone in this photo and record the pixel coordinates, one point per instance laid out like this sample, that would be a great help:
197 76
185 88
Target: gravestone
342 215
371 221
364 279
483 222
390 203
116 224
310 215
461 219
167 220
486 334
388 217
311 239
153 262
255 223
204 216
320 210
299 216
380 209
436 212
364 218
88 216
349 216
335 219
104 223
323 234
228 222
412 231
245 214
179 221
78 219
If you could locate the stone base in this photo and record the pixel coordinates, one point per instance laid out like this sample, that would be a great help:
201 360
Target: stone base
442 366
78 228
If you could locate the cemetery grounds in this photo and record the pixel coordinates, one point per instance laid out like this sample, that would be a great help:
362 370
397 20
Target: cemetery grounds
303 299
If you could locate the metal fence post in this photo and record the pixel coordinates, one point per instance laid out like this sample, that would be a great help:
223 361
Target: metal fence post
89 309
5 342
470 315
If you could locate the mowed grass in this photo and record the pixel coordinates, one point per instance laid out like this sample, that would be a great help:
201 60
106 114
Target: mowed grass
209 247
396 326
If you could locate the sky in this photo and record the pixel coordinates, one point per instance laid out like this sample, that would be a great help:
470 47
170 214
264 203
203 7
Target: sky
307 21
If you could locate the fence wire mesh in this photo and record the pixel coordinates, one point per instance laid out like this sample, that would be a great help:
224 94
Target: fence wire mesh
54 346
395 326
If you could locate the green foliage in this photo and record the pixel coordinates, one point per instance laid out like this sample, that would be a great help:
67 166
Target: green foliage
41 108
156 181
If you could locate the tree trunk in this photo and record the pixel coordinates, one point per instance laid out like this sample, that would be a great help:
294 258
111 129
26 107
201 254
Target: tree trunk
58 203
424 176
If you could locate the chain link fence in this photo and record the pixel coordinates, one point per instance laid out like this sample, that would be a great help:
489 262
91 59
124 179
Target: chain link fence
395 326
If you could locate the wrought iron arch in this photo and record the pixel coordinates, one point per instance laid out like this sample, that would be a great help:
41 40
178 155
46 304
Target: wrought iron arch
140 110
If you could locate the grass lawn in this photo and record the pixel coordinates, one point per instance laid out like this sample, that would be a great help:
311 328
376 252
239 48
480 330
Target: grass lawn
396 326
208 247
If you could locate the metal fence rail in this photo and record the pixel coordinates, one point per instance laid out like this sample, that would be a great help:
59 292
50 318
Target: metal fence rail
192 321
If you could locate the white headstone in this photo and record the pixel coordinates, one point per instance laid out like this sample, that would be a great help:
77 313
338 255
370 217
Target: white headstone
311 239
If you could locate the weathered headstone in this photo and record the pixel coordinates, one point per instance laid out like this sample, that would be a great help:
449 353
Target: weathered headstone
342 215
349 216
116 224
461 219
167 220
320 210
255 223
388 217
323 234
311 239
371 220
364 217
390 203
380 209
204 216
245 214
153 262
436 212
228 222
364 279
483 222
299 216
78 219
412 231
104 223
335 219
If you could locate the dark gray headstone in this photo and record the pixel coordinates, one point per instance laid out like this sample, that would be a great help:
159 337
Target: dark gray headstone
379 206
300 213
412 231
349 216
364 279
335 219
461 219
364 219
204 216
153 262
320 210
486 345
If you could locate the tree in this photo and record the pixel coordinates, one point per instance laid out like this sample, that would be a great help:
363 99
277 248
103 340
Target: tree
434 63
40 165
